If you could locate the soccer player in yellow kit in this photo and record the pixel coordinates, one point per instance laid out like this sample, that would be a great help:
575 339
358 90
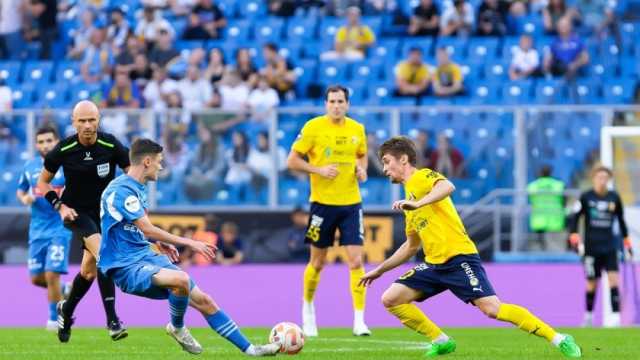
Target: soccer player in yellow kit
336 147
451 258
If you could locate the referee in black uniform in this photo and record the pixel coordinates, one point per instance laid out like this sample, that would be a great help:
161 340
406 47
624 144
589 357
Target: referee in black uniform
600 207
88 159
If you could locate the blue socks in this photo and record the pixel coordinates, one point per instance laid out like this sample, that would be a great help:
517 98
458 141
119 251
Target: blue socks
53 313
177 308
228 329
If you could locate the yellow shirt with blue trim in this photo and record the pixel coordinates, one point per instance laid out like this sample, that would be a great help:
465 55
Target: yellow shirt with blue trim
438 225
325 143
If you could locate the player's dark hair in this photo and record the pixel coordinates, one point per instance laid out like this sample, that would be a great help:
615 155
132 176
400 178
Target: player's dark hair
415 49
337 88
46 129
398 146
271 46
143 147
600 168
546 171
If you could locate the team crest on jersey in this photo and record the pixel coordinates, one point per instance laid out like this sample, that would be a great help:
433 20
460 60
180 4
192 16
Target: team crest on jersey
103 170
87 156
612 206
354 139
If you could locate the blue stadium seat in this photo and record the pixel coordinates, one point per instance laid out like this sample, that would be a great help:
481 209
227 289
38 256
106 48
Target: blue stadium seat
332 72
426 44
629 67
485 93
237 31
550 92
311 49
306 72
252 9
618 91
456 46
67 71
483 48
509 44
10 72
38 72
268 30
228 7
329 27
599 69
386 50
365 70
301 28
83 91
585 92
23 96
357 91
52 96
292 192
497 71
374 23
517 92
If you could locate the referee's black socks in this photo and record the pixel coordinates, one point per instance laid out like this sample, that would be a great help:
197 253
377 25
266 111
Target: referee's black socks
108 295
591 296
78 290
615 300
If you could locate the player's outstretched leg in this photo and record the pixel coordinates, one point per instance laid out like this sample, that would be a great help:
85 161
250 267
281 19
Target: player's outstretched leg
525 320
310 283
397 300
358 293
81 285
226 327
108 296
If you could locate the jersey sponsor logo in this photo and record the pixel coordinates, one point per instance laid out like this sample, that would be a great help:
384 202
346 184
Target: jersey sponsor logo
87 156
473 280
103 170
132 204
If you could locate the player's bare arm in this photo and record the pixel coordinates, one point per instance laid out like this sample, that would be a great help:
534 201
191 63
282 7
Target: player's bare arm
153 232
296 162
362 163
441 190
24 197
44 185
405 252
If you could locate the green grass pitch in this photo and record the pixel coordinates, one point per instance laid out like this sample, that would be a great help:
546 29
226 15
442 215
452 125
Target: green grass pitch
385 344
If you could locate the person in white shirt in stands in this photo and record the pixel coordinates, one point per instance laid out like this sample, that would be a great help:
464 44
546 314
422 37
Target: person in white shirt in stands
234 92
158 89
525 61
11 41
263 101
196 91
6 100
458 19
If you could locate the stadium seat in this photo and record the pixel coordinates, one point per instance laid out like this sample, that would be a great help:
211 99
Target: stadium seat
67 71
585 92
456 46
301 28
22 97
517 92
485 49
365 70
426 44
237 32
268 30
38 72
332 72
252 9
329 27
52 96
618 91
10 72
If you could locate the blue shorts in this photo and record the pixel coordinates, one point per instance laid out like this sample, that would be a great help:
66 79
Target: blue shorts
135 279
462 274
49 255
325 219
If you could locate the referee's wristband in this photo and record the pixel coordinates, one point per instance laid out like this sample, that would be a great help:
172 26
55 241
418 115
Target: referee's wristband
53 199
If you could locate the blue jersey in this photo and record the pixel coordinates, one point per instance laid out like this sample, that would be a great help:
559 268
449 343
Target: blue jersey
45 220
123 202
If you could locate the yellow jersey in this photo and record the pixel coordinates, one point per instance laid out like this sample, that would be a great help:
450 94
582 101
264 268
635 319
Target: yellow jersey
361 35
411 73
438 225
326 143
448 74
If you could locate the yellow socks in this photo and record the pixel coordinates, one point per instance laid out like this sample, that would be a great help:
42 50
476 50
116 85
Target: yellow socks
311 280
522 318
358 293
413 318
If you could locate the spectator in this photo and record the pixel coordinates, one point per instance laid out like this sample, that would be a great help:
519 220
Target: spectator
340 7
207 235
45 12
176 154
195 90
282 8
298 248
457 19
230 247
525 61
352 40
82 34
553 12
118 30
216 67
122 93
263 101
547 217
140 70
233 92
11 41
245 67
126 57
424 150
567 54
205 169
238 174
425 19
492 18
447 80
598 17
98 58
261 162
375 168
163 54
6 99
195 29
157 90
150 26
446 159
212 20
278 71
412 75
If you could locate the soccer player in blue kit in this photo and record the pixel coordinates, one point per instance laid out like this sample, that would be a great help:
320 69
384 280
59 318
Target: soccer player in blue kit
126 255
48 238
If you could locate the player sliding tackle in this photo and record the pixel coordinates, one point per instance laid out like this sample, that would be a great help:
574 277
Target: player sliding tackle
126 256
451 260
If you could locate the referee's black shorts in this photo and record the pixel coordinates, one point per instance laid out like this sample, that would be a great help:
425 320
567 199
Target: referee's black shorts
87 223
594 264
